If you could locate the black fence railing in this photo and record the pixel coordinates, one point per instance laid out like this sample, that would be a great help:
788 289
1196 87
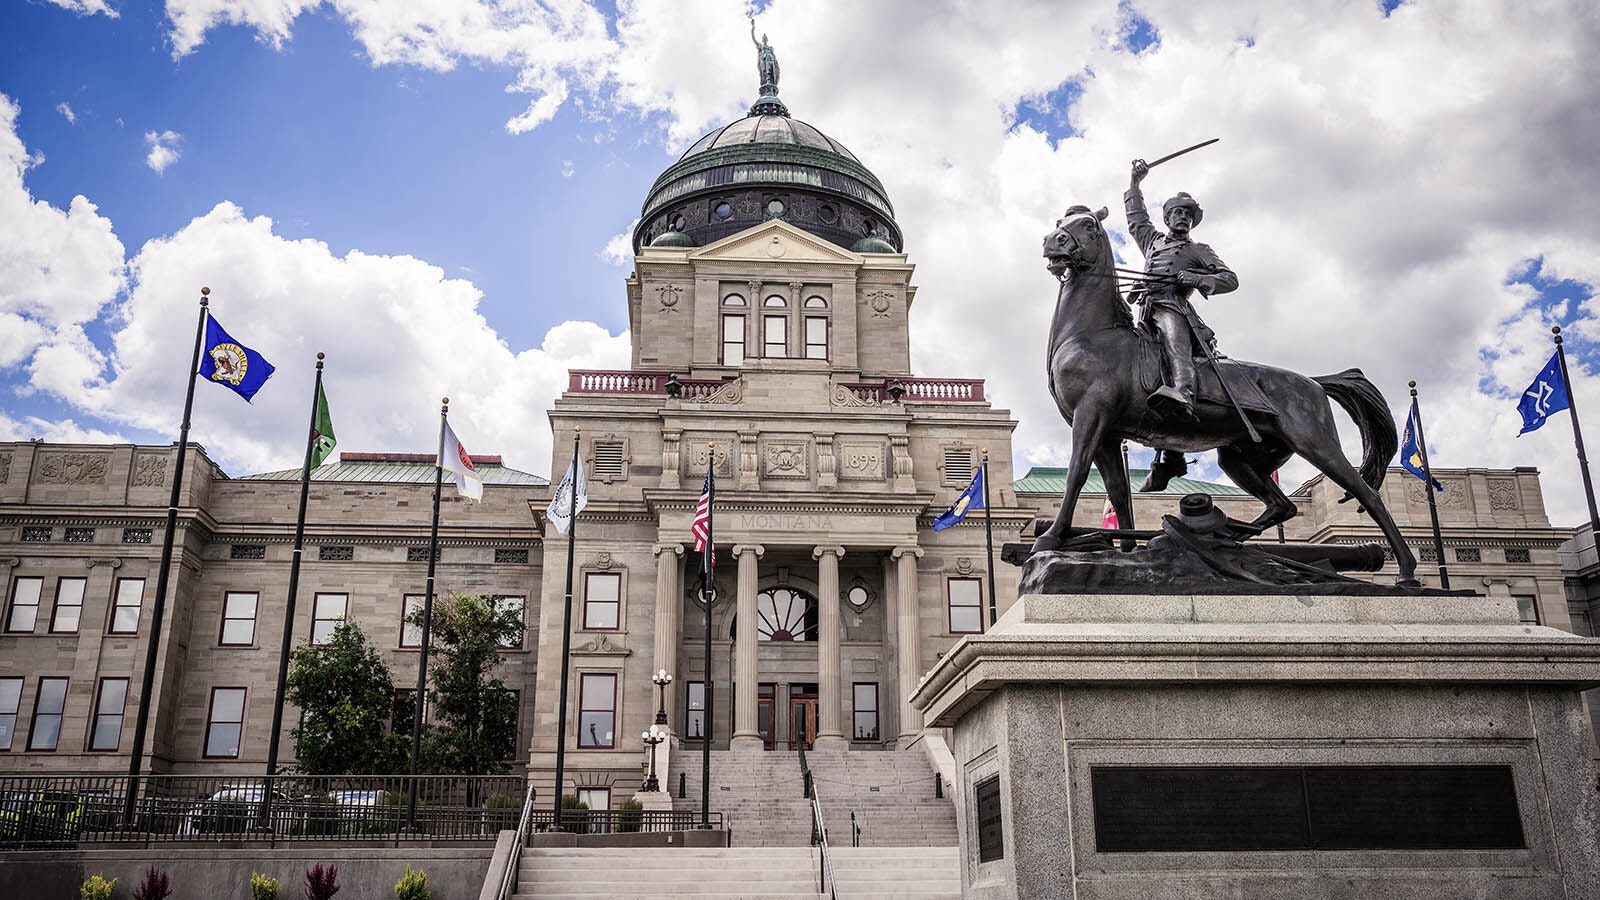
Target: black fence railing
44 812
621 821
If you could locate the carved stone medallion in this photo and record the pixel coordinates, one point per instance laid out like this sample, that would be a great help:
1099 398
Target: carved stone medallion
669 294
880 301
1503 495
786 459
72 468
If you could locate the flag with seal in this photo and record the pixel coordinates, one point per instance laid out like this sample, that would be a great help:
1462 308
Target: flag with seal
970 499
453 458
231 364
571 496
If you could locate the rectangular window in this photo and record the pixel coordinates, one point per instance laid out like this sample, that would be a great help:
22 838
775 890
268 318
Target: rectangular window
602 601
816 337
225 722
109 702
238 619
327 613
410 635
733 340
10 702
69 605
48 707
1527 609
966 605
865 704
597 710
513 640
508 750
24 605
695 706
595 800
125 606
775 336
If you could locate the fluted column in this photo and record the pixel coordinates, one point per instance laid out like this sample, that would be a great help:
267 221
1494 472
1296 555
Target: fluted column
829 733
669 599
746 733
908 634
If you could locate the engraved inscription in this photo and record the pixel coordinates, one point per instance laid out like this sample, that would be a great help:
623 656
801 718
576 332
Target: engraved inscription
784 522
991 820
861 462
72 468
694 460
787 460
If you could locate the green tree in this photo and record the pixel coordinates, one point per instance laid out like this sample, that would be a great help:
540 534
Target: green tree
473 727
345 696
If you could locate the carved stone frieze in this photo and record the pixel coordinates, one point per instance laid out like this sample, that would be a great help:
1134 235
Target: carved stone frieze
1454 495
844 397
695 457
879 302
600 645
730 394
1503 495
786 459
861 462
669 295
149 470
602 560
71 468
5 467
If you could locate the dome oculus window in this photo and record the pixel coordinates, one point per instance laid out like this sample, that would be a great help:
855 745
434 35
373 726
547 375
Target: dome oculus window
723 210
774 208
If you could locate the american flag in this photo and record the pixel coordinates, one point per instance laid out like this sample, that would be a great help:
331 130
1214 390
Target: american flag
701 526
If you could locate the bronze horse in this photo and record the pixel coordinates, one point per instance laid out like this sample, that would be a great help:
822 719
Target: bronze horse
1100 370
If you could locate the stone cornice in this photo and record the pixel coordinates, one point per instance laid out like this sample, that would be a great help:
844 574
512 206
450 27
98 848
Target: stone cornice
658 501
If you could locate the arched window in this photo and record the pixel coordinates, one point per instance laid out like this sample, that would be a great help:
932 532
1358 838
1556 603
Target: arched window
786 614
816 327
733 300
775 302
733 333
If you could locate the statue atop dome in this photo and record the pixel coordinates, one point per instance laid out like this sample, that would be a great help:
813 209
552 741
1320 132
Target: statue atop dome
766 62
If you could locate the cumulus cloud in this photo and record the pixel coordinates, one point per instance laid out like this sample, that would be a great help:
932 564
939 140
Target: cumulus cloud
29 428
67 113
88 7
163 149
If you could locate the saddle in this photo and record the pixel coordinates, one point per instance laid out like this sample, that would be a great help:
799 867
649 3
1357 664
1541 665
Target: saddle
1207 389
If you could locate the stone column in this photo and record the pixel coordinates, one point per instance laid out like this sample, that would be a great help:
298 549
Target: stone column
908 633
829 734
669 598
746 733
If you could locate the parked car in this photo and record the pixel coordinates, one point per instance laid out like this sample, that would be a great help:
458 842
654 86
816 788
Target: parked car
237 809
39 816
366 811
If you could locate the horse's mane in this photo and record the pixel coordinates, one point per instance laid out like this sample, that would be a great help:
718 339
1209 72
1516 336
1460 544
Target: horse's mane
1120 310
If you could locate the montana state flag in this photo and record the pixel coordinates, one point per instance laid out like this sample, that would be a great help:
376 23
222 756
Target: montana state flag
231 364
970 499
1411 453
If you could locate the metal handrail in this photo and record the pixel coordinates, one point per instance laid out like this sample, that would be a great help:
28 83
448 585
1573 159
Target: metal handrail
819 832
508 879
855 830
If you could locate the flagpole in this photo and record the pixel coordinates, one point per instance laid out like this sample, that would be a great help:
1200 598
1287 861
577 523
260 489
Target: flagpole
1427 488
288 613
988 537
566 630
1577 433
427 622
159 608
708 596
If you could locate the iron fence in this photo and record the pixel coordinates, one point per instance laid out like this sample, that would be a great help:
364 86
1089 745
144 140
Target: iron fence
620 821
50 812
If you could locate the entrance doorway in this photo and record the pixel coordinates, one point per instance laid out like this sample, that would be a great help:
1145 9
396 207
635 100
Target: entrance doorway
766 716
802 715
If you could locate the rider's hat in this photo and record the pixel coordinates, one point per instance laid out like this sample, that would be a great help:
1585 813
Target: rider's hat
1183 199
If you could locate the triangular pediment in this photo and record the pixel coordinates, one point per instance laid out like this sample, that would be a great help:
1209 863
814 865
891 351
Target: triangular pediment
775 241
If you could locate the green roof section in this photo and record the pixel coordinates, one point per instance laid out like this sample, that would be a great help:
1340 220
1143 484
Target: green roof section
400 468
1053 480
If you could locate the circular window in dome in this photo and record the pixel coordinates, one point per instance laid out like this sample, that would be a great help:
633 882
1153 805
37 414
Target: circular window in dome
869 228
723 210
774 207
676 223
828 214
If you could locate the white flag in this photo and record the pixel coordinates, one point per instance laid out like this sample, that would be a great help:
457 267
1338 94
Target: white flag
454 459
569 499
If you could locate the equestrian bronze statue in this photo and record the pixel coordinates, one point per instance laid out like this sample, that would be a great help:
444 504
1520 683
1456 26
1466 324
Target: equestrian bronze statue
1104 369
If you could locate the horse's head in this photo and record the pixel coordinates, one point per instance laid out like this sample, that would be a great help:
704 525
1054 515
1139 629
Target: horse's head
1077 241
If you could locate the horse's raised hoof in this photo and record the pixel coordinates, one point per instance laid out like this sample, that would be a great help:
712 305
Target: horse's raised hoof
1410 584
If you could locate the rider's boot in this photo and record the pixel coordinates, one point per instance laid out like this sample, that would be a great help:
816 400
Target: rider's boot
1176 400
1168 464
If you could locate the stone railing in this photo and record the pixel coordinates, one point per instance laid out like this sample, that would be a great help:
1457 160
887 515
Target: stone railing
889 390
918 390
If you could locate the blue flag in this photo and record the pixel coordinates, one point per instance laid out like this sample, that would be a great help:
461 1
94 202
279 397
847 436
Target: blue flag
1411 453
1547 394
970 499
231 364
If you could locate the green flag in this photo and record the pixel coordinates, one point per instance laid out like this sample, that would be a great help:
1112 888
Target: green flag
322 439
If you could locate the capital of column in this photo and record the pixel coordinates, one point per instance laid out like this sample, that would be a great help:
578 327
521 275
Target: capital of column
675 549
898 552
742 549
838 552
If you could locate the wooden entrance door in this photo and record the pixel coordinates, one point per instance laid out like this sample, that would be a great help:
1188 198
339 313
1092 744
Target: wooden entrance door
766 722
802 720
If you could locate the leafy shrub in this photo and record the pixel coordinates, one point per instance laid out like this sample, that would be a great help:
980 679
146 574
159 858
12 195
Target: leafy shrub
574 824
413 885
263 887
155 886
97 888
321 883
630 815
501 813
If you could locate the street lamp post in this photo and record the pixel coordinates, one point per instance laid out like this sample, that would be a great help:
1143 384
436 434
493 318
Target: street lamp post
662 678
652 739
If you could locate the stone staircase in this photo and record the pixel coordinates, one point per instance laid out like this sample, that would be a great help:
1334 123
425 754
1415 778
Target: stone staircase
752 873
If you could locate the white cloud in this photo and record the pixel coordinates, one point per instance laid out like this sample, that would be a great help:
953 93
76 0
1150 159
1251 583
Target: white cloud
30 428
163 149
618 250
88 7
67 113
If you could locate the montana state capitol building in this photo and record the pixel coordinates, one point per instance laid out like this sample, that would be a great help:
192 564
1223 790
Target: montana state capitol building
769 309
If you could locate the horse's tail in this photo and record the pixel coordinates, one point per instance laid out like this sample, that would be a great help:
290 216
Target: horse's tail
1365 404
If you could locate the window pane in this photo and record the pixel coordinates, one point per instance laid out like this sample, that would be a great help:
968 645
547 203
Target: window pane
816 338
52 695
600 616
10 700
125 611
733 300
239 606
965 620
511 641
222 739
597 711
777 336
226 722
410 635
601 606
733 340
107 733
1527 610
45 733
696 702
865 697
227 705
816 303
24 604
239 619
240 632
69 605
775 302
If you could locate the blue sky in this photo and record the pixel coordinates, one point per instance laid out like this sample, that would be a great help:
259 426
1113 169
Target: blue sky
437 195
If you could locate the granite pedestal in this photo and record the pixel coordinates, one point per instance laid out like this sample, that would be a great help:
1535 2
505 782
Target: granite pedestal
1167 747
